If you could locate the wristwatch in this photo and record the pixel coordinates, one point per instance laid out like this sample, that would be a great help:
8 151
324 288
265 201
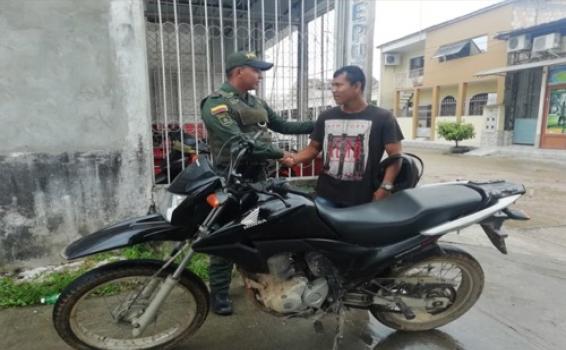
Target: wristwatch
386 186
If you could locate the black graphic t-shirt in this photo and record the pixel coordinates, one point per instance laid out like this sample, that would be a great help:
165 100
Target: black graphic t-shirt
353 145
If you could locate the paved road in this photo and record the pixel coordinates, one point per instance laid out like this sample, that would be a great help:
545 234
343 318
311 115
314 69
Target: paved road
522 306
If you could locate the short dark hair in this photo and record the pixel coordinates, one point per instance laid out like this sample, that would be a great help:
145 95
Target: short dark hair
354 74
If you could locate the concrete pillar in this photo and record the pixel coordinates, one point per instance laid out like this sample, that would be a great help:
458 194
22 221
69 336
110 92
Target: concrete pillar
541 107
461 100
86 161
416 102
500 105
500 90
434 112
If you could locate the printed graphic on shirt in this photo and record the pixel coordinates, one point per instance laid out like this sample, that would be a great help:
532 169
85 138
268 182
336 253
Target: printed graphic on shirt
346 145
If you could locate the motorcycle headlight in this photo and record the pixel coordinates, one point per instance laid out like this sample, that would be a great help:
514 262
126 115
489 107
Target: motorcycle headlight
168 203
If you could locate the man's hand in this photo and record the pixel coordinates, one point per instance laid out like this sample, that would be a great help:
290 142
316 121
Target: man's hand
306 155
288 160
381 194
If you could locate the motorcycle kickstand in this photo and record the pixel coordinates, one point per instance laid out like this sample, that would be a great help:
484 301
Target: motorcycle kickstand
339 327
317 323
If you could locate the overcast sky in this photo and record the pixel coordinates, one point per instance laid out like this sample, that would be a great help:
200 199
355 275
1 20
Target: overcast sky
397 18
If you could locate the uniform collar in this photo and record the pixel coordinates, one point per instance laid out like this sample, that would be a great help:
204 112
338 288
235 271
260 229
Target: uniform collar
229 88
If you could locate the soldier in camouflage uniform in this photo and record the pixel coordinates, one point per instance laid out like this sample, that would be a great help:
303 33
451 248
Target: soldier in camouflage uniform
232 111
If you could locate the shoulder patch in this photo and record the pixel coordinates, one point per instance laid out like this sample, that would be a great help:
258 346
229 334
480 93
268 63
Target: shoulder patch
219 109
225 119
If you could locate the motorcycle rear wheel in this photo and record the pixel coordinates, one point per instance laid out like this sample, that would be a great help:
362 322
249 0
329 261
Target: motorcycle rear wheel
468 292
85 315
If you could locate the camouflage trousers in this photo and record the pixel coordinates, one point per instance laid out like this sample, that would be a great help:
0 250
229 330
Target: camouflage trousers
219 274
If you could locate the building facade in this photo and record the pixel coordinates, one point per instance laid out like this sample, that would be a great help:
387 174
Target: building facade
535 79
455 71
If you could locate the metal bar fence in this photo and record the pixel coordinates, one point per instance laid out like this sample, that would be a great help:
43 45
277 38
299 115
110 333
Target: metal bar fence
187 42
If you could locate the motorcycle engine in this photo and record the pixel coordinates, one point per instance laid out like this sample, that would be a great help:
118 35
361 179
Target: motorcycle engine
285 290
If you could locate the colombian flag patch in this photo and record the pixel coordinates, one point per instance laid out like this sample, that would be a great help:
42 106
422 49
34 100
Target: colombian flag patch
219 109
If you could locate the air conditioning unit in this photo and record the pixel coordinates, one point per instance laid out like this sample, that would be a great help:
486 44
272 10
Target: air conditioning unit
392 59
518 43
546 42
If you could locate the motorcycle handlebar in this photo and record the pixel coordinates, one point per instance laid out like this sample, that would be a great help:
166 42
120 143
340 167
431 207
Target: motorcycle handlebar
280 186
246 144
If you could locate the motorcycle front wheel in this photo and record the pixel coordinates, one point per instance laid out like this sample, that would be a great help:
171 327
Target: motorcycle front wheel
454 264
95 311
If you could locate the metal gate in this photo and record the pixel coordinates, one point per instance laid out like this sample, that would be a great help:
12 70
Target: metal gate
187 41
424 121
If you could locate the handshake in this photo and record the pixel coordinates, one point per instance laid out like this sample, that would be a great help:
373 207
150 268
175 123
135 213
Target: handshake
288 159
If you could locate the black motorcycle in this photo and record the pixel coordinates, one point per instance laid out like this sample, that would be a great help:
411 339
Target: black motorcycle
297 258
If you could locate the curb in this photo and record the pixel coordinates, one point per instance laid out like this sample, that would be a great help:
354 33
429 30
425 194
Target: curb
511 151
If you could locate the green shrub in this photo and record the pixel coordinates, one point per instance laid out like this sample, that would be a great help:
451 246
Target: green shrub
13 293
454 131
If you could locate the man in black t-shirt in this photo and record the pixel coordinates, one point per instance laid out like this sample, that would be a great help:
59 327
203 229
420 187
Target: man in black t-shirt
353 138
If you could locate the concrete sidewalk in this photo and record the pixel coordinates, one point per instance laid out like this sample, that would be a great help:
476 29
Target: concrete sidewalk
526 152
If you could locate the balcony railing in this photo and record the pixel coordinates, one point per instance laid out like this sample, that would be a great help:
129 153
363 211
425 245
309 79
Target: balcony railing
416 72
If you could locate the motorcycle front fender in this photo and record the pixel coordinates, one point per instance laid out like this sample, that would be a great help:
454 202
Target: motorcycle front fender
126 233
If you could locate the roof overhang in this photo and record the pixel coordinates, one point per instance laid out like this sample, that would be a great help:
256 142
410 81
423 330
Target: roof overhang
541 29
518 67
402 44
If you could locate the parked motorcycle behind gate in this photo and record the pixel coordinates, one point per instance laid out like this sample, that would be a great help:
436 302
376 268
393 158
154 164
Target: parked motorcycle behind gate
182 152
298 258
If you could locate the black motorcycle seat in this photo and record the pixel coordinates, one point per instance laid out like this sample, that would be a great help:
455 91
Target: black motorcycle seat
402 215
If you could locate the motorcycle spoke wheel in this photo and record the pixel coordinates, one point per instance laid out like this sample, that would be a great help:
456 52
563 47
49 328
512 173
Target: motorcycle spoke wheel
93 321
460 270
96 313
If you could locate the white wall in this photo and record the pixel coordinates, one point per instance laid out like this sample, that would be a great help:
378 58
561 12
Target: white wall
406 125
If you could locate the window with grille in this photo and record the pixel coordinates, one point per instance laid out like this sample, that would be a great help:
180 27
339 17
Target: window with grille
477 103
448 106
416 66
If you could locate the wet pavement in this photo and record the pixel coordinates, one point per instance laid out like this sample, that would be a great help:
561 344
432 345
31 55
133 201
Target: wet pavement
522 305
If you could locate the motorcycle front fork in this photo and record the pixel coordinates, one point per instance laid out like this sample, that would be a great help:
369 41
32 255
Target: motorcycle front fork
164 289
140 323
